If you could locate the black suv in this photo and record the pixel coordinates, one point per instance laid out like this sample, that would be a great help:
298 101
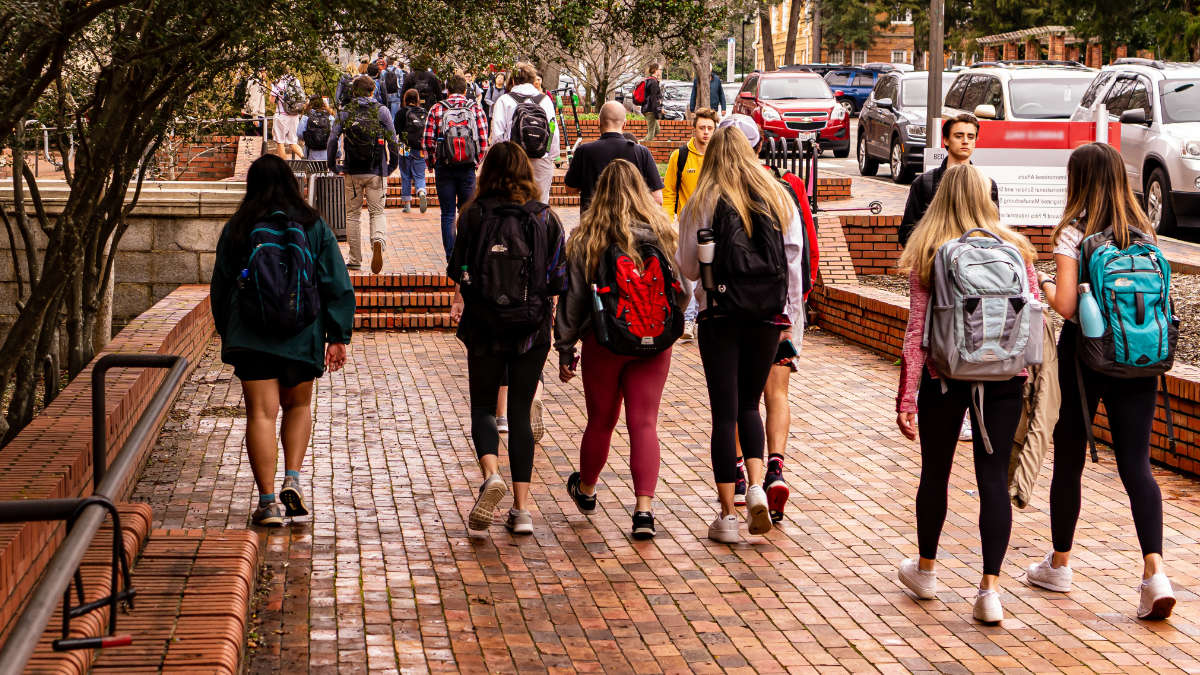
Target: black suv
891 126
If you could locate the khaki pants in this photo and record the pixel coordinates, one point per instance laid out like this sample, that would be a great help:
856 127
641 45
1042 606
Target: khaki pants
651 126
359 186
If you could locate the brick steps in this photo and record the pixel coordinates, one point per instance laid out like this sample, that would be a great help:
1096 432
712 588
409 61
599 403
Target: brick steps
401 282
403 302
403 321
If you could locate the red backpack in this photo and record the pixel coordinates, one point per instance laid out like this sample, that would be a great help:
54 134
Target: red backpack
639 93
636 313
795 187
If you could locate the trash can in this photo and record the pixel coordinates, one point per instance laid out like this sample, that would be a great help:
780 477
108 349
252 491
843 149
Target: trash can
328 197
304 168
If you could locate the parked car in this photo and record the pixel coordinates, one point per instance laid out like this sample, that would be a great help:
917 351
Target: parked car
1158 105
854 83
786 104
818 68
1018 90
891 126
676 94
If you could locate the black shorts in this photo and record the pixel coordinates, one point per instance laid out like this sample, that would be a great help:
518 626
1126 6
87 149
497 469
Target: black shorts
260 366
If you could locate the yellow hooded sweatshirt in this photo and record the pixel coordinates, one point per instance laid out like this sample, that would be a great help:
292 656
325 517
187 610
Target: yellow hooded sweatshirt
675 194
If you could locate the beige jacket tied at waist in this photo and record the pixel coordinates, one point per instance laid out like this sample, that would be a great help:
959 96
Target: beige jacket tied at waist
1039 414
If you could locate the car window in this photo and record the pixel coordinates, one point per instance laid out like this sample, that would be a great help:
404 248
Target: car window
913 93
1098 84
864 79
749 85
976 92
1117 100
876 93
1046 99
1180 101
954 96
838 78
1138 97
889 87
778 88
995 98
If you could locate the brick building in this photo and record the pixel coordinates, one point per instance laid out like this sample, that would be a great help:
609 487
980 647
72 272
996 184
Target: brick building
1049 42
893 44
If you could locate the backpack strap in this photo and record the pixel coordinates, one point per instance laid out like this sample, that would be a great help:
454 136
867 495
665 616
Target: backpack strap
1083 406
1166 395
679 163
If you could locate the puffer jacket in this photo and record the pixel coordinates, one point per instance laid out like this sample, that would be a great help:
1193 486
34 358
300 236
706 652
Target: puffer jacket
1039 414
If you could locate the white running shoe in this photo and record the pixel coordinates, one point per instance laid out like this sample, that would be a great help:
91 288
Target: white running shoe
1157 598
689 331
1044 575
922 584
725 529
519 522
964 433
485 504
987 607
758 517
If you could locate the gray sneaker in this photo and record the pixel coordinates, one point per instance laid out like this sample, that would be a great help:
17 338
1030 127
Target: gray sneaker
922 584
269 515
1158 599
519 522
502 425
758 517
490 493
293 498
422 200
536 413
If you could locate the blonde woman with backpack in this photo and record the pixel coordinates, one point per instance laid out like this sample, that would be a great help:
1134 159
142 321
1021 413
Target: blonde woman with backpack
962 204
623 252
1101 206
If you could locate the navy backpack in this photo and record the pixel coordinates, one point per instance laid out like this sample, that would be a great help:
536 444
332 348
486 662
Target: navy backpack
277 290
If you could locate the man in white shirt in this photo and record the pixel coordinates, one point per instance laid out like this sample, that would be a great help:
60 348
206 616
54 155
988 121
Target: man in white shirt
523 78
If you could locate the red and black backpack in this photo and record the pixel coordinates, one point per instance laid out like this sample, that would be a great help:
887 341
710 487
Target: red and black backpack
636 312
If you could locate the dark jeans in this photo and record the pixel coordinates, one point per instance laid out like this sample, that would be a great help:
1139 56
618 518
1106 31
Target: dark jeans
939 421
1134 401
454 187
485 371
737 357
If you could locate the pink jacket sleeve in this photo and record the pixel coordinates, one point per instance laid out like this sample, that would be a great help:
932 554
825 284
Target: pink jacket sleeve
912 358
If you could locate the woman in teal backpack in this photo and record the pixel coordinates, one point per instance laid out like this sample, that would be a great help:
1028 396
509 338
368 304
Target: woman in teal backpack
1099 199
277 369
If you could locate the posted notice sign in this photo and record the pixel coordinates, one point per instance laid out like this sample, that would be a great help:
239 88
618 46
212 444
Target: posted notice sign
1028 161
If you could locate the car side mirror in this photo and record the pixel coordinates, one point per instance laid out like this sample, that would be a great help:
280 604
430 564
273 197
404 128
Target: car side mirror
1134 116
884 102
838 93
746 95
985 111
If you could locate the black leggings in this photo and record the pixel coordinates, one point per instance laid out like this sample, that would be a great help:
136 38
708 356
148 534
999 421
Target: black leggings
940 418
737 357
1134 401
485 373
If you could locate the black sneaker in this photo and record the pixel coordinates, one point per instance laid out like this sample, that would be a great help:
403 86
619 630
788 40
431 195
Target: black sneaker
643 525
586 503
777 490
739 487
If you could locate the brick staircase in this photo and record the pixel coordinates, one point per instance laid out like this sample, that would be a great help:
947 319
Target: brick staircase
402 301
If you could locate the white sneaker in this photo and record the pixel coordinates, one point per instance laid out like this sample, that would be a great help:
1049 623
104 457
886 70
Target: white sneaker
1045 575
758 518
964 433
725 529
519 522
689 331
922 584
502 424
1157 598
485 504
987 607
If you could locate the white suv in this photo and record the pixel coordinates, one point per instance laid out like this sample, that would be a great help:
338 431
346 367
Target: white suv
1018 90
1158 104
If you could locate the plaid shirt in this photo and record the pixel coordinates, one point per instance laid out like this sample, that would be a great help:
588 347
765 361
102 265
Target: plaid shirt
435 119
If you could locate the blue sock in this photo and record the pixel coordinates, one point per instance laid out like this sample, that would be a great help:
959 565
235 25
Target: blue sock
266 499
292 474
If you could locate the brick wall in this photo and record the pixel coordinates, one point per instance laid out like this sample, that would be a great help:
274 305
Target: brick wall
52 457
204 158
874 242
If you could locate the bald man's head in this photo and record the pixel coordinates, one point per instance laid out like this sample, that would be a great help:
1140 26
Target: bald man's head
612 116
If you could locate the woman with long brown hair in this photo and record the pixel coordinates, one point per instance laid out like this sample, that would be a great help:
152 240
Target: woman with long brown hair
624 217
504 317
1098 200
962 203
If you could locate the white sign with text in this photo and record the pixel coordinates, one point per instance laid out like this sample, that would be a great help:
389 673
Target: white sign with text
1032 183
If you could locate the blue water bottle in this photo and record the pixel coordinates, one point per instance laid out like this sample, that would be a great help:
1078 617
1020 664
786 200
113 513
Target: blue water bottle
1090 320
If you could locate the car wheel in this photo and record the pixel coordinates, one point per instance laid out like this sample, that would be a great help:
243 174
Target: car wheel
848 105
867 166
1157 196
842 153
900 172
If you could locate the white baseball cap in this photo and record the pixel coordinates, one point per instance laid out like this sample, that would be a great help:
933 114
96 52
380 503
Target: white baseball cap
744 124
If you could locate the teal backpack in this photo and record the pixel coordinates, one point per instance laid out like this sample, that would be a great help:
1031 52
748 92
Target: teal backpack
1132 287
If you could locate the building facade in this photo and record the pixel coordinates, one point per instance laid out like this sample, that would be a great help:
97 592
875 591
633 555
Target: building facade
893 44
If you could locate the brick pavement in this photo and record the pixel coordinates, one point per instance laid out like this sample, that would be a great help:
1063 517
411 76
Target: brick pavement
384 577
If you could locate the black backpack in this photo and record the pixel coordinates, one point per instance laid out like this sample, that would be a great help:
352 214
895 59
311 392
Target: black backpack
345 95
530 125
316 132
277 290
506 275
414 126
639 312
750 271
362 132
391 83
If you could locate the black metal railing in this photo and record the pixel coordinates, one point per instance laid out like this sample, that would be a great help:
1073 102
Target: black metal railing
84 516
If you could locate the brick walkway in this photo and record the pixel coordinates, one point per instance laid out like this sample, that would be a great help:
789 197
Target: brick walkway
384 577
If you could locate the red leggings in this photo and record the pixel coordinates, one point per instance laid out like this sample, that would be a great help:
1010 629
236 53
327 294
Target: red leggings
607 379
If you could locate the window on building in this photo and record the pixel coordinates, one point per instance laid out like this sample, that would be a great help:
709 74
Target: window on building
904 16
858 57
837 57
899 56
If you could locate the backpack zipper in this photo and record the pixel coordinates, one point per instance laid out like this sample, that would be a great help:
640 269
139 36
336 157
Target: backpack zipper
1121 321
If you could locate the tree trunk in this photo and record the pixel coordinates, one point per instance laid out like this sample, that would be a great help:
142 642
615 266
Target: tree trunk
549 70
789 50
766 39
701 58
815 56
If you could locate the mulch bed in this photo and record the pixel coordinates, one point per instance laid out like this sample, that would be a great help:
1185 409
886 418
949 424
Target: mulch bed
1185 290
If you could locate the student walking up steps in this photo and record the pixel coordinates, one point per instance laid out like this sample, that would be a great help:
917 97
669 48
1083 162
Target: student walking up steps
1102 219
962 367
750 273
508 263
625 302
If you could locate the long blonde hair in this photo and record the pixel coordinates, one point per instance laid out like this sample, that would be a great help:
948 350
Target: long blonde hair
731 172
621 201
963 201
1099 196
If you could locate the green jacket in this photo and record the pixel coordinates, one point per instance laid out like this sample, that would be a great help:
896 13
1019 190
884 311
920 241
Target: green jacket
333 325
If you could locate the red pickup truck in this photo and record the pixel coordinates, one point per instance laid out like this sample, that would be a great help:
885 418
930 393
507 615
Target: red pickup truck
787 104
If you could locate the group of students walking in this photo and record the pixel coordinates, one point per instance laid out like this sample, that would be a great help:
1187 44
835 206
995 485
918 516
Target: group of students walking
610 299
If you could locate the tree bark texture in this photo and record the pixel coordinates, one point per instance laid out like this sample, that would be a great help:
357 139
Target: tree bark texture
789 50
766 40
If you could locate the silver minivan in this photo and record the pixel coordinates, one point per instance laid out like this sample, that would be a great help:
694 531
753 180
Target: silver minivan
1158 105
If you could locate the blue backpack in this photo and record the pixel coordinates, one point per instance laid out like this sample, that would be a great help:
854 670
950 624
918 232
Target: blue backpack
277 290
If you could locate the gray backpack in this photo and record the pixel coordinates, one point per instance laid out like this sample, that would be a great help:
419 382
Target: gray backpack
983 325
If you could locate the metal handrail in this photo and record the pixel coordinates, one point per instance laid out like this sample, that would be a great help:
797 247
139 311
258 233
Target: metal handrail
107 480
